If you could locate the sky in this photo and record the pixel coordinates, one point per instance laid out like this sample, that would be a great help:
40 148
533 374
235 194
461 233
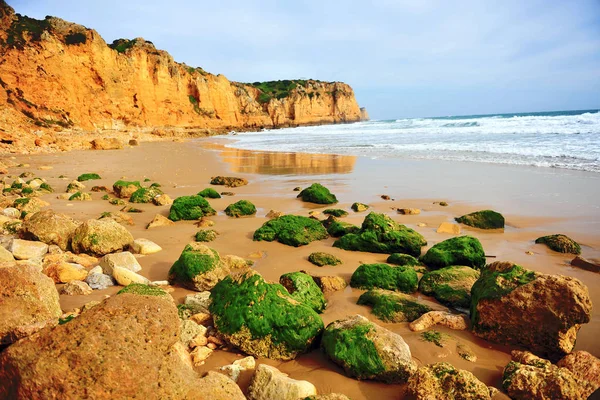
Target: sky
403 58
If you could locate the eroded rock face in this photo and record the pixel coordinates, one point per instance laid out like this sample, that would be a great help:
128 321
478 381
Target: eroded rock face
28 302
50 228
127 337
543 313
441 380
100 237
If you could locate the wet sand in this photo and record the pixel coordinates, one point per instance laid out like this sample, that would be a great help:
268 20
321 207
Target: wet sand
535 202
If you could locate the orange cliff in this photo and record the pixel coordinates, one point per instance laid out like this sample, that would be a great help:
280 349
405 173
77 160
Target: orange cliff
58 79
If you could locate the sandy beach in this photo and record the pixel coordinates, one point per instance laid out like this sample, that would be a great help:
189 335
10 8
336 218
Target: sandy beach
535 202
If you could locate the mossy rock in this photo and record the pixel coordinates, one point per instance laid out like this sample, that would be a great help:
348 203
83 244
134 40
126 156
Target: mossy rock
190 208
486 219
117 202
206 235
228 181
88 177
321 259
145 195
262 319
317 193
336 212
341 228
209 193
240 209
292 230
560 243
195 261
44 187
392 306
359 207
144 290
443 381
380 234
462 250
450 285
384 276
403 260
124 189
80 196
303 288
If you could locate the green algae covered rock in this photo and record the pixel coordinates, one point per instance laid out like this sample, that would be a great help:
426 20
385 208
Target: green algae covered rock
145 195
384 276
144 290
292 230
100 237
240 209
261 318
392 306
317 193
88 177
450 285
303 288
336 212
368 351
462 250
210 193
340 228
229 181
486 219
560 243
124 189
321 259
359 207
403 259
206 235
380 234
190 208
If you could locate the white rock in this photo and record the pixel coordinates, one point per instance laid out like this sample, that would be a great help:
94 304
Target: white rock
145 246
124 260
246 363
124 277
232 371
11 212
160 283
96 270
25 249
270 383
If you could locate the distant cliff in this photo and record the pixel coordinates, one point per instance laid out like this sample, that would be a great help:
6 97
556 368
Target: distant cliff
57 76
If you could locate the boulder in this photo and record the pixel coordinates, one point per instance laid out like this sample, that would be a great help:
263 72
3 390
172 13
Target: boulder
339 228
392 306
450 286
99 281
585 367
119 216
30 205
486 219
76 288
145 246
321 259
447 227
443 381
145 195
408 211
543 313
159 221
453 321
403 260
5 255
162 200
303 289
124 260
228 181
269 383
106 144
29 302
591 264
50 228
336 212
190 208
368 351
124 276
200 354
27 250
209 193
359 207
206 235
384 276
380 234
100 237
560 243
124 189
62 272
274 214
292 230
199 302
329 284
81 196
234 370
261 318
317 193
240 209
74 187
462 250
88 177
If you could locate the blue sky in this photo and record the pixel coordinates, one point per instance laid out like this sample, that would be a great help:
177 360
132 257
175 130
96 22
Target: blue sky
403 58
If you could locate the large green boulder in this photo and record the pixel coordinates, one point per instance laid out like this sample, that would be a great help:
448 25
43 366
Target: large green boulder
145 195
486 219
303 288
462 250
209 193
261 318
560 243
240 209
317 193
392 306
321 259
368 351
384 276
190 208
124 189
292 230
450 285
381 234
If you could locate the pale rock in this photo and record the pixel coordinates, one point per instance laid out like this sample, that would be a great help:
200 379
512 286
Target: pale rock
448 227
234 370
145 246
189 330
198 341
5 255
63 272
159 283
96 270
269 383
205 223
124 277
452 321
25 249
99 281
76 288
159 221
63 196
162 200
212 346
11 212
409 211
123 259
200 354
54 249
201 301
274 214
246 363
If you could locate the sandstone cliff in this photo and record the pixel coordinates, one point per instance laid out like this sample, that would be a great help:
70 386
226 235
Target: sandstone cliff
57 76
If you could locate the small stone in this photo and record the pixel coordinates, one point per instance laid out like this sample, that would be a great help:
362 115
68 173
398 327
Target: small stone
227 194
76 288
587 264
201 318
75 186
270 383
99 281
297 189
448 227
11 212
159 221
160 283
409 211
54 249
189 330
212 346
25 249
124 259
246 363
64 196
145 246
63 272
452 321
96 270
529 253
466 352
162 200
385 197
272 214
205 223
359 207
45 168
200 354
421 225
5 255
125 277
329 284
134 142
200 301
216 341
314 213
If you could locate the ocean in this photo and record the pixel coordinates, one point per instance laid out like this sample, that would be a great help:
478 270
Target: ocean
558 139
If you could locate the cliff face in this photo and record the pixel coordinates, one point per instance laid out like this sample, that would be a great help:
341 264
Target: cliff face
56 75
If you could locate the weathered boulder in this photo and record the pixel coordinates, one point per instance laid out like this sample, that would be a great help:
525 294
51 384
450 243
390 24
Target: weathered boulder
368 351
403 260
50 228
585 367
261 318
145 246
392 306
486 219
240 209
81 196
384 276
162 200
124 189
100 237
462 250
329 284
190 208
76 288
159 221
380 234
229 181
125 277
28 302
542 313
234 370
447 227
450 285
123 259
74 187
62 272
443 381
209 193
560 243
292 230
408 211
27 250
29 205
106 144
321 259
590 264
317 193
303 289
453 321
269 383
336 212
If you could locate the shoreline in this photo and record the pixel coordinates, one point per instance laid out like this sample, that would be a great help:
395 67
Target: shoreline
185 168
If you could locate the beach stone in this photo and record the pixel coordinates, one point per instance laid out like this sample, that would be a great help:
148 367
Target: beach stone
100 237
543 313
329 284
145 195
359 207
585 367
234 370
206 235
5 255
272 214
199 301
201 318
145 246
338 228
227 194
162 200
99 281
560 243
26 250
404 260
318 194
62 272
75 186
199 341
125 276
436 381
335 212
384 276
368 351
228 181
453 321
106 144
11 212
461 250
269 383
591 264
450 286
292 230
81 196
240 209
50 228
200 354
321 259
190 208
76 288
119 216
123 259
83 259
29 303
303 289
486 219
261 318
124 189
189 330
390 306
408 211
448 227
159 221
465 352
63 196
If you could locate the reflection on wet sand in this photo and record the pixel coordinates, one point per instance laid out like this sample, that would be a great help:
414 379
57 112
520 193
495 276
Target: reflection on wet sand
275 163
